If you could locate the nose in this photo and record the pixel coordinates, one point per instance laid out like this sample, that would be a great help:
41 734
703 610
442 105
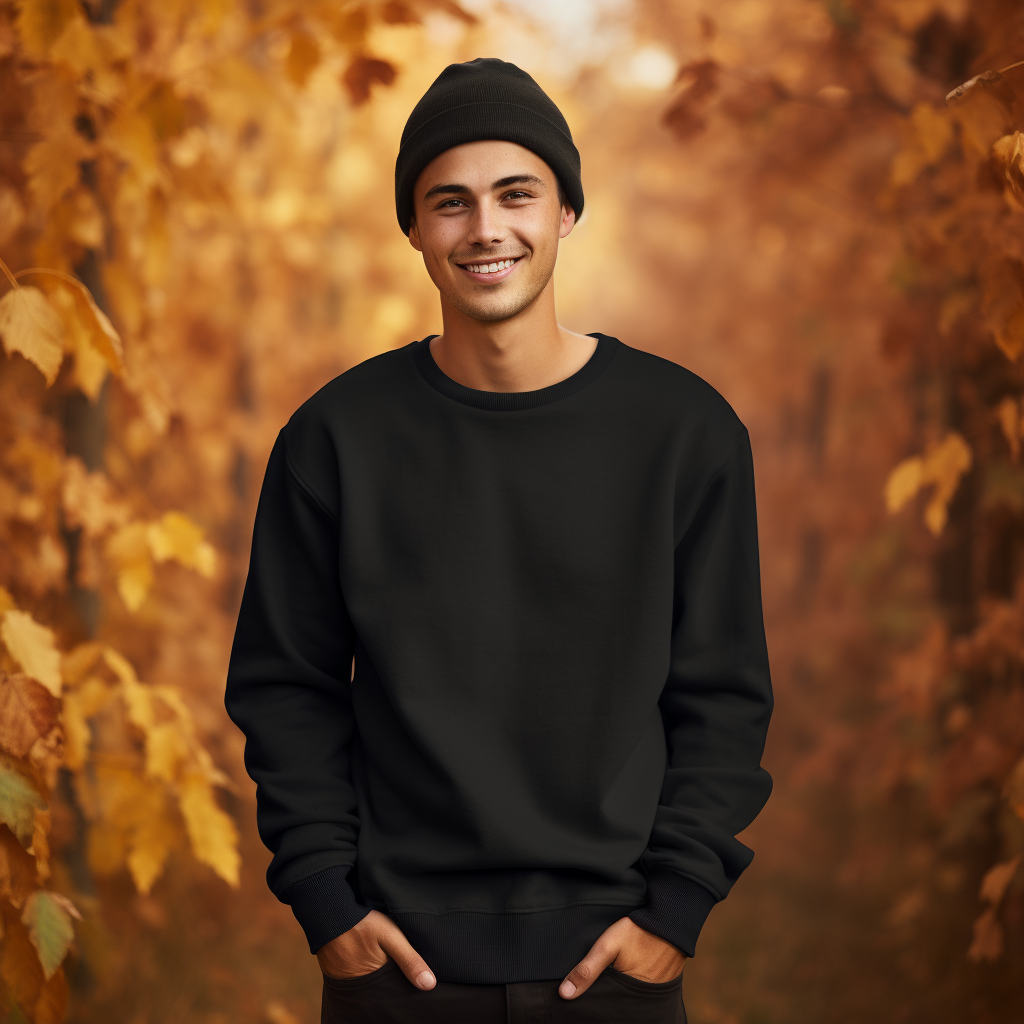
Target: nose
485 227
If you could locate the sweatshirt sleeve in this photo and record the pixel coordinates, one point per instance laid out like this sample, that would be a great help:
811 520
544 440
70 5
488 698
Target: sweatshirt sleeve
715 706
288 690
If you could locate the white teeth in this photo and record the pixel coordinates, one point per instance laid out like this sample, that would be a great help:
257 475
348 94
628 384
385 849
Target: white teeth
489 268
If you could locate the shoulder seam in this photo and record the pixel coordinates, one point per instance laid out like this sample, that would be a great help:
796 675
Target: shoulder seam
306 488
713 477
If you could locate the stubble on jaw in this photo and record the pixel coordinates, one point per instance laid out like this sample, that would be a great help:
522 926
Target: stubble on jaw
501 306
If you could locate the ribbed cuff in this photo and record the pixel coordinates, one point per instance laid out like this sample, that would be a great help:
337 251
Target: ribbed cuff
676 909
324 905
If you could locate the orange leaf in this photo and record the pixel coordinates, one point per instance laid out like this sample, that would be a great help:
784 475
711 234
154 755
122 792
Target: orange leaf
365 72
988 938
27 711
998 878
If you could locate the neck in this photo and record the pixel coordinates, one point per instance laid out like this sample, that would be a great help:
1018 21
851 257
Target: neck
526 352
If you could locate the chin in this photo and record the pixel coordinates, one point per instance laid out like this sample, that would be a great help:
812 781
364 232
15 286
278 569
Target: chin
499 307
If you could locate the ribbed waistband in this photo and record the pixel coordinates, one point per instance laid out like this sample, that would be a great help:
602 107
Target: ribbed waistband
497 949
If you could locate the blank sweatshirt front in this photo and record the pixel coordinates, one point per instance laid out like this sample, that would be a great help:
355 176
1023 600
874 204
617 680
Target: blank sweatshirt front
500 661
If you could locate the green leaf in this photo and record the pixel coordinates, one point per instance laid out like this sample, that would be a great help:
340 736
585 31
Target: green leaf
47 915
18 802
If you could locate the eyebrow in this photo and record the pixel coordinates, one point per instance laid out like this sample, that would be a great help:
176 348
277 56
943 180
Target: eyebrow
455 189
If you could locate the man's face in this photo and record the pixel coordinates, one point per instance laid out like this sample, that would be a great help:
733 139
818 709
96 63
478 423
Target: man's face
487 219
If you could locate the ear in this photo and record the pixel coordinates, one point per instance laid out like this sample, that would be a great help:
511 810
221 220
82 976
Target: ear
414 236
568 221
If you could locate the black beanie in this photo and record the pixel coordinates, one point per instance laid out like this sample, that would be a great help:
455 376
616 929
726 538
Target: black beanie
483 99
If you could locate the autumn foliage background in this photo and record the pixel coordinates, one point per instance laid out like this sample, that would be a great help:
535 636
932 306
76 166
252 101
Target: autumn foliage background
197 231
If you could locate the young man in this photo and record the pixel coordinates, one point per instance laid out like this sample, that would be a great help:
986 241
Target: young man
540 549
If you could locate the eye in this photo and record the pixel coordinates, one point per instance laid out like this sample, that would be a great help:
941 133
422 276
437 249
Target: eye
517 195
441 206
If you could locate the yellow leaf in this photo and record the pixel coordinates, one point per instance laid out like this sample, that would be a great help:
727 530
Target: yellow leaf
151 842
212 833
78 47
943 464
32 647
30 325
128 549
137 698
76 301
166 748
41 22
77 734
175 536
79 660
904 482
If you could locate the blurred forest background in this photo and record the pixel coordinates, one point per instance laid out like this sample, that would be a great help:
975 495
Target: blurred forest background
197 231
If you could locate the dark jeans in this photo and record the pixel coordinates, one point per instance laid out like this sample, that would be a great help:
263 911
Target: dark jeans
386 996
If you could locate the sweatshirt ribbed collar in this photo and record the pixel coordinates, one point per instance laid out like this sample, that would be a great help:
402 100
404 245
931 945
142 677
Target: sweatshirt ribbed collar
508 401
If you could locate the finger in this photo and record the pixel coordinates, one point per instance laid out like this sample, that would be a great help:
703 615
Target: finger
582 976
393 941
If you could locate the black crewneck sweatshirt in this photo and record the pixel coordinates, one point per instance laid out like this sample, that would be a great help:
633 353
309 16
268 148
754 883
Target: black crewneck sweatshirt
560 690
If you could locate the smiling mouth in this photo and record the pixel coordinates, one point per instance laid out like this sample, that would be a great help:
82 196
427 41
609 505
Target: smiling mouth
495 270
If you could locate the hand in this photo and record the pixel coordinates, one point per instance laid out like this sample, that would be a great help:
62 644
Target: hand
367 946
630 949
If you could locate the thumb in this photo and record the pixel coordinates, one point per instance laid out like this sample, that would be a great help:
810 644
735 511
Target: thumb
582 976
412 965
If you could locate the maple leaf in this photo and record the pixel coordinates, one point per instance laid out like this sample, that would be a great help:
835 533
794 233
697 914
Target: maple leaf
32 647
30 325
47 916
27 711
19 801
